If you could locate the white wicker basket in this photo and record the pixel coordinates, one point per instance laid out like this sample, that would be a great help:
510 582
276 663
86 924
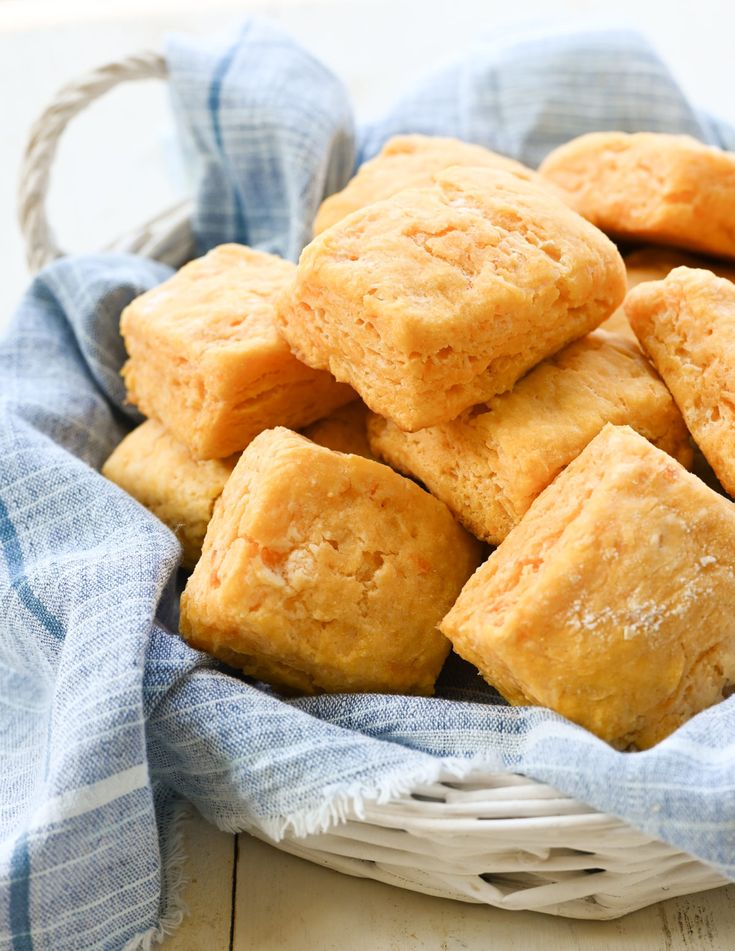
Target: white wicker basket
494 838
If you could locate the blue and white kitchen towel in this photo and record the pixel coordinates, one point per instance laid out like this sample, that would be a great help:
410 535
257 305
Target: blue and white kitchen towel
108 721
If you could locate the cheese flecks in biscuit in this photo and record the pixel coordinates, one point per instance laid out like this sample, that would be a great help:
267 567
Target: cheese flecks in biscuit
206 360
161 474
611 602
489 464
441 297
326 572
667 189
686 324
344 430
653 264
408 161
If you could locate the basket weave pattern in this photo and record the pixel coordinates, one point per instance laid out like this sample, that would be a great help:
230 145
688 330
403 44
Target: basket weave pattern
495 838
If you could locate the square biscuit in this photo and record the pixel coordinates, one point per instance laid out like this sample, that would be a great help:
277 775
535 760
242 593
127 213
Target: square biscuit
611 602
161 474
645 186
490 463
344 430
407 161
326 572
439 298
206 360
686 324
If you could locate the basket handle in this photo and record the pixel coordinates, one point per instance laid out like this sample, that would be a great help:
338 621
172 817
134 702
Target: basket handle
35 172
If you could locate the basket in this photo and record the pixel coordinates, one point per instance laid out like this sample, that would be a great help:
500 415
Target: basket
494 838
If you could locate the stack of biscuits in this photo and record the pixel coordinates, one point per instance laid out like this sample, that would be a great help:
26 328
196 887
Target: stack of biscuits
462 359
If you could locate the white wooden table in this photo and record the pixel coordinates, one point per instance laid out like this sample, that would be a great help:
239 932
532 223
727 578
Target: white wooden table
244 895
116 169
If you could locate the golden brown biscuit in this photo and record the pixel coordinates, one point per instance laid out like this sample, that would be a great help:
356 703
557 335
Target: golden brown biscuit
668 189
161 474
326 572
439 298
408 161
686 324
344 430
652 264
489 464
611 602
206 358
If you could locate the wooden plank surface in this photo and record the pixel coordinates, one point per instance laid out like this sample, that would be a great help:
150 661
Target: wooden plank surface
209 890
282 903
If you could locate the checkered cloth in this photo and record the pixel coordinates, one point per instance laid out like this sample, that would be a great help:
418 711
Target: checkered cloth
108 721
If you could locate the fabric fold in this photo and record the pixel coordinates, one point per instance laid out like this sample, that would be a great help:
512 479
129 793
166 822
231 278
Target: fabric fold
269 133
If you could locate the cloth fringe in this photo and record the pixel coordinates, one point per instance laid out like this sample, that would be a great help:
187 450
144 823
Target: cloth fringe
174 881
338 808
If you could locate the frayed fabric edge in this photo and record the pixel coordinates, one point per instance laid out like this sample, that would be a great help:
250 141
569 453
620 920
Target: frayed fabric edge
173 859
337 809
350 803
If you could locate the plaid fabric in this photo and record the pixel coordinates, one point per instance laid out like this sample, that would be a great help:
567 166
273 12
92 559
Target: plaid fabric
108 721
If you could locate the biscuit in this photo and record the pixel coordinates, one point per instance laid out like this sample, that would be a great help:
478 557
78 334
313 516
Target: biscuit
206 358
686 324
611 602
489 464
407 161
326 572
439 298
668 189
162 475
652 264
344 430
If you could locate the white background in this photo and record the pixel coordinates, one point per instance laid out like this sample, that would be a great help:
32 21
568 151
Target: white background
116 165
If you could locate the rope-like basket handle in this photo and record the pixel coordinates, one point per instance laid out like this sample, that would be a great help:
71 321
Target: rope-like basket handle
35 175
